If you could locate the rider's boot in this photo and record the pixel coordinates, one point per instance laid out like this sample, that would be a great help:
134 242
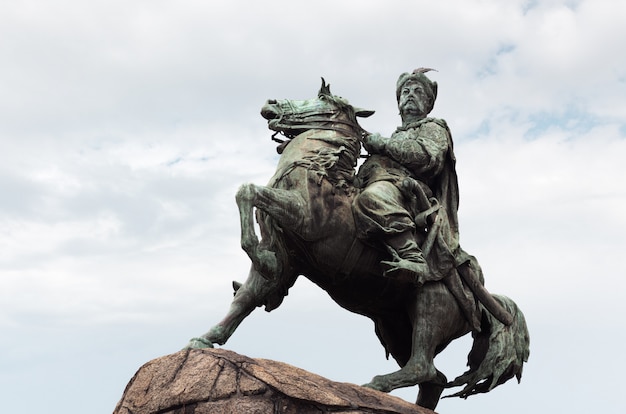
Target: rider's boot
408 262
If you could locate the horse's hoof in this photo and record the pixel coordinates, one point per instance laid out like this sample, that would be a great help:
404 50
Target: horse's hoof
376 386
198 343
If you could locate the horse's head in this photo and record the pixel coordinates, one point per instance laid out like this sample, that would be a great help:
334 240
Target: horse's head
327 111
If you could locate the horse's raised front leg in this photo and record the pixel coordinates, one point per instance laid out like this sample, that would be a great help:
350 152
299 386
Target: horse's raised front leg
284 206
256 291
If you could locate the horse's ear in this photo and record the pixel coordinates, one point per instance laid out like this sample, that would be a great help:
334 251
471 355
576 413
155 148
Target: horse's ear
325 89
363 113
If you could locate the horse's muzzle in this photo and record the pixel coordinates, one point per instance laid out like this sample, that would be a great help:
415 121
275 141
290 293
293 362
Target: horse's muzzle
270 110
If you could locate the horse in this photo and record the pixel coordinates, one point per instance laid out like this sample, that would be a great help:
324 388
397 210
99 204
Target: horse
307 229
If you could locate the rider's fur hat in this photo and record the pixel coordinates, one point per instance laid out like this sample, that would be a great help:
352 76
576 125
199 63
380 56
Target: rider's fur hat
417 75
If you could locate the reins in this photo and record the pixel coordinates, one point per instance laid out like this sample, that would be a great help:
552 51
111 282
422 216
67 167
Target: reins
304 121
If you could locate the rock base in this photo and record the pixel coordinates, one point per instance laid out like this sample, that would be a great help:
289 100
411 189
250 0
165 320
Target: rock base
219 381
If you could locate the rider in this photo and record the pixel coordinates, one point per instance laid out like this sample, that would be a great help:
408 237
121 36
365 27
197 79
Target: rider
412 172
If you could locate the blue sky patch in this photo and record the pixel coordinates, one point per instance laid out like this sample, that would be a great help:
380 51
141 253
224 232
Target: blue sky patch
490 67
572 119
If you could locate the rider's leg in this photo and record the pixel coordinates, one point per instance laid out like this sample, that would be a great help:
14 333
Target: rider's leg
408 262
381 214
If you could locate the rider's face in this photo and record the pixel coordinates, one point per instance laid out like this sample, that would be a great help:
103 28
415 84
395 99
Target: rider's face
413 100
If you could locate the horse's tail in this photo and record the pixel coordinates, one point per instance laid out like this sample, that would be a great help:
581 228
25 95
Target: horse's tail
498 353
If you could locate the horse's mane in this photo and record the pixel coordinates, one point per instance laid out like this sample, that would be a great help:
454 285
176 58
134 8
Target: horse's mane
343 105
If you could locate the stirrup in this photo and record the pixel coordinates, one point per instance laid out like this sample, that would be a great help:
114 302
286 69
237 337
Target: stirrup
404 270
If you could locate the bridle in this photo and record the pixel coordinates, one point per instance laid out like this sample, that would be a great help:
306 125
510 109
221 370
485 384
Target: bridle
291 122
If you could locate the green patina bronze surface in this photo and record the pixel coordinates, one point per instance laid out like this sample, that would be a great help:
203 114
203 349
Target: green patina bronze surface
384 243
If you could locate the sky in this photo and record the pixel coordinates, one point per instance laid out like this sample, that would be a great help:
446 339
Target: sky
126 128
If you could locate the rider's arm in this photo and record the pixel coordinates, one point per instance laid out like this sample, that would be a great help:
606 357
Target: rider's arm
424 152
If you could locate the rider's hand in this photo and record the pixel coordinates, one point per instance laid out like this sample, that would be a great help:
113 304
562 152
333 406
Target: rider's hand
374 143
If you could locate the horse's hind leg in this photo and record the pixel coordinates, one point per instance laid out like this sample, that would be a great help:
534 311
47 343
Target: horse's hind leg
256 291
286 207
436 320
420 367
430 392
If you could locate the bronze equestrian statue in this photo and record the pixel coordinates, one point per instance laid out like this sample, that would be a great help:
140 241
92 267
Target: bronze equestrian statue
383 243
